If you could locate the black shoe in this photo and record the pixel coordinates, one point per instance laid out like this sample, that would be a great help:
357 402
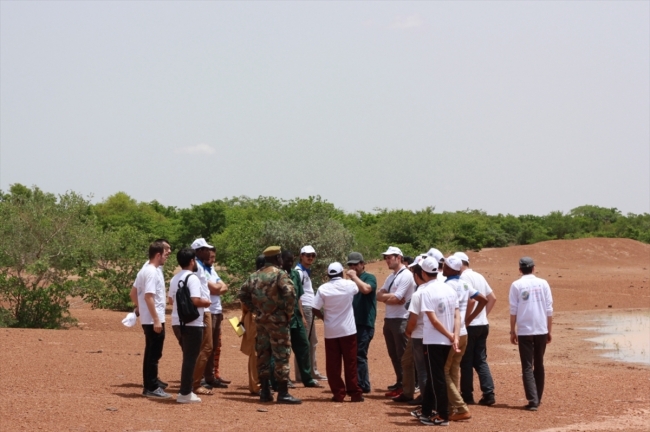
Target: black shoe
162 384
394 387
402 398
530 407
487 401
213 384
265 392
284 397
416 401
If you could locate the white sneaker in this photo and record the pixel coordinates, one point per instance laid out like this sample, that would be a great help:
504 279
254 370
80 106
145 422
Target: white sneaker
190 398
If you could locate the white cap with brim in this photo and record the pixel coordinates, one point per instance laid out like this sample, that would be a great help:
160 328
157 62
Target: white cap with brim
307 250
454 263
418 260
463 256
201 243
334 269
429 265
392 250
433 252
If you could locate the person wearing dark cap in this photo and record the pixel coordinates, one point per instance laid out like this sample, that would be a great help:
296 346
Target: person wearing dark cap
364 305
531 320
270 294
335 300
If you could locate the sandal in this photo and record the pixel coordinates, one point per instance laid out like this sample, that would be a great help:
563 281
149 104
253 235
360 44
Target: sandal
202 391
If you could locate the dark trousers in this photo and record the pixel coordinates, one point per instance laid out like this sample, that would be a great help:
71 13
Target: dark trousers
190 338
153 347
435 393
475 358
420 364
300 347
364 336
342 348
531 353
212 365
396 340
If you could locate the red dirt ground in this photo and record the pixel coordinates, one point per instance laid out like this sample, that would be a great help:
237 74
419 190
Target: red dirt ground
89 378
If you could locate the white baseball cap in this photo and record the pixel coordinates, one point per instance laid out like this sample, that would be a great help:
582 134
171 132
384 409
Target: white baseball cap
201 243
392 250
334 268
462 255
307 250
454 262
433 252
418 260
429 265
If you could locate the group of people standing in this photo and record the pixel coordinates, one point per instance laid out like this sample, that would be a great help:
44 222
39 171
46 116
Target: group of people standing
435 327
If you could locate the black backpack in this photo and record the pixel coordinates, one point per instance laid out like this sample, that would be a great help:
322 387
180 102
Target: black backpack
187 312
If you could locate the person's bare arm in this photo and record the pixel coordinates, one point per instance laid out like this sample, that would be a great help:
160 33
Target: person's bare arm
492 299
200 302
549 323
389 299
318 313
482 302
217 288
411 323
455 341
513 333
134 298
438 325
151 306
363 287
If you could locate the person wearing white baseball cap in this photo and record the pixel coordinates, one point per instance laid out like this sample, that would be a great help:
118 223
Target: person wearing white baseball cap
396 292
475 357
441 316
305 261
334 298
435 253
466 293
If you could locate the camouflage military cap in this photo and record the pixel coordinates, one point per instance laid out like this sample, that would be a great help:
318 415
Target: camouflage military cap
272 251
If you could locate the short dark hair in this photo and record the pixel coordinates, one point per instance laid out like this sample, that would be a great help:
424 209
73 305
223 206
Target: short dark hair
408 260
286 254
526 270
163 240
156 247
185 256
339 275
259 262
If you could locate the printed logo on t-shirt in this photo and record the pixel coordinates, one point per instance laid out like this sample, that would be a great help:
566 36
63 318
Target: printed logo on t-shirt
441 307
465 286
525 295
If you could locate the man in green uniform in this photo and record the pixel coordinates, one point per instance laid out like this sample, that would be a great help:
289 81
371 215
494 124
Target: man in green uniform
364 304
270 294
299 341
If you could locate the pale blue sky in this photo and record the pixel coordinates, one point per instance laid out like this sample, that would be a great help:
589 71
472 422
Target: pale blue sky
509 107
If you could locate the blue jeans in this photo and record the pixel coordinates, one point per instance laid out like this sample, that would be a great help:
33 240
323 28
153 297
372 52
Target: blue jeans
364 336
475 357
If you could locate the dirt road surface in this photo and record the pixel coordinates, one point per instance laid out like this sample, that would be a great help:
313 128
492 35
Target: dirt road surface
89 378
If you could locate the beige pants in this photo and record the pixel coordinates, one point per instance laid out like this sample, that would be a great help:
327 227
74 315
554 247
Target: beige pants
253 378
408 370
205 353
452 377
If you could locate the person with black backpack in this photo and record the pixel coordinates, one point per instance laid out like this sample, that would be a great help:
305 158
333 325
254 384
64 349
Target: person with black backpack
187 319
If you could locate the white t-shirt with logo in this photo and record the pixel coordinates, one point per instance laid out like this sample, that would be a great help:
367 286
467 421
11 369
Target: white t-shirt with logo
465 292
307 299
402 288
150 281
478 282
416 308
215 305
194 284
335 298
441 299
203 277
531 301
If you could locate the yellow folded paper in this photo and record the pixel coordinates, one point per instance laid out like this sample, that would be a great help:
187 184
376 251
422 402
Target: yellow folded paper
237 326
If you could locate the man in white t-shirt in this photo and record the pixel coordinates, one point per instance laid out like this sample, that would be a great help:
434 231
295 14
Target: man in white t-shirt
439 307
466 294
475 356
395 293
190 334
335 299
150 302
306 260
531 312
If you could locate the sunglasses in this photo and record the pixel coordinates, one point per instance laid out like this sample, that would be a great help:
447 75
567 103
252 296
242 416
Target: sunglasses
310 255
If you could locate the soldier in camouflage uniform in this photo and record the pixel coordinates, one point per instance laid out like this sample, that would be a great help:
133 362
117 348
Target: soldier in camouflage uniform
270 294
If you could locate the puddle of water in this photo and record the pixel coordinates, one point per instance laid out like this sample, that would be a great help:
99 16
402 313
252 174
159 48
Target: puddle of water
626 337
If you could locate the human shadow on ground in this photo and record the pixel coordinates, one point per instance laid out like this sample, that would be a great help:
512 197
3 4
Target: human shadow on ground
406 424
505 406
128 385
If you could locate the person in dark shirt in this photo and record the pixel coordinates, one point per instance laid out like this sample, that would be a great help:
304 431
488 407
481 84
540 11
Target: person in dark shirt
364 305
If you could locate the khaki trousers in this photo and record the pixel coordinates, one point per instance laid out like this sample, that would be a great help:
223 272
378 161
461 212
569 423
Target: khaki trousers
253 377
408 370
206 351
452 377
